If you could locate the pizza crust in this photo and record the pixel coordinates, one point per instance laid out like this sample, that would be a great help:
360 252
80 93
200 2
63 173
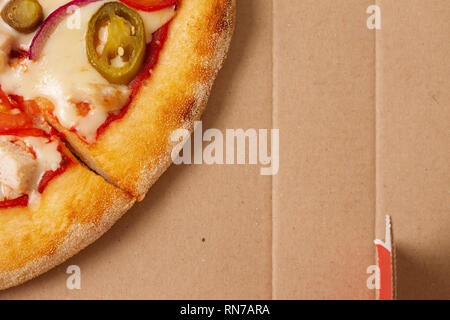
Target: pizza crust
70 217
134 151
78 206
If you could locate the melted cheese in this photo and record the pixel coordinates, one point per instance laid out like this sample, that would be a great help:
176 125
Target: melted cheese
48 158
155 20
64 75
47 154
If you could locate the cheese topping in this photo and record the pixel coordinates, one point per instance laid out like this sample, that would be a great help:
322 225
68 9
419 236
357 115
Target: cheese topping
24 170
63 74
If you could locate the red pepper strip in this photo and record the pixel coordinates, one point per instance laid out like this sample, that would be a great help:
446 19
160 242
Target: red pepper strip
149 5
23 132
14 121
18 202
49 175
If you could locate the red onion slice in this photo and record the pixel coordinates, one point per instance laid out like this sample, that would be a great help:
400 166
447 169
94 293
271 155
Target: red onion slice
49 25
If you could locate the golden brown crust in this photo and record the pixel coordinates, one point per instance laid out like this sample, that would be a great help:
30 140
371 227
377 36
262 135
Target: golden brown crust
70 217
135 151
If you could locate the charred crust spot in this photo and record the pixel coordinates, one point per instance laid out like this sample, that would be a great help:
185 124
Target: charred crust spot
186 114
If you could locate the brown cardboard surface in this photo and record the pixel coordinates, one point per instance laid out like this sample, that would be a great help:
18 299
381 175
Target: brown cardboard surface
413 101
363 118
325 191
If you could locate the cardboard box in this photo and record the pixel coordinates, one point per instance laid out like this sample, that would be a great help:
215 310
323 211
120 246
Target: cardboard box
363 116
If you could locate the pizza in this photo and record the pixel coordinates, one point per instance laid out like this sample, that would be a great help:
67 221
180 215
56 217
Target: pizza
90 93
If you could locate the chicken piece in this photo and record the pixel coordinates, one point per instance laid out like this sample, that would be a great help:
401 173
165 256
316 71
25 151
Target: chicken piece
17 167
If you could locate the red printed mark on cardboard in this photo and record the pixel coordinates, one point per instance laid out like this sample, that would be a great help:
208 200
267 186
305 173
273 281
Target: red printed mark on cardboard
385 263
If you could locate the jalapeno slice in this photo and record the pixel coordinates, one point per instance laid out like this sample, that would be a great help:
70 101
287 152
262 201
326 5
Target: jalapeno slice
115 42
24 16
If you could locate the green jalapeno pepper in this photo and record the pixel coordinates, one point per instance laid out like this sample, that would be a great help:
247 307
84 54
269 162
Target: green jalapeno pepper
24 16
119 56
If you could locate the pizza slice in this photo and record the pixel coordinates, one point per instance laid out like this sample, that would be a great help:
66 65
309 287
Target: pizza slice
51 206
